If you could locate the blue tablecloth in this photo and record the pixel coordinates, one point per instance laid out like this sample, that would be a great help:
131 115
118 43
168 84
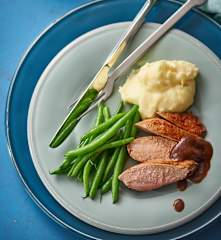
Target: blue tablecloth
20 22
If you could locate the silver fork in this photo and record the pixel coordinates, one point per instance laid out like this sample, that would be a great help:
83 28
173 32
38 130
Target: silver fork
106 92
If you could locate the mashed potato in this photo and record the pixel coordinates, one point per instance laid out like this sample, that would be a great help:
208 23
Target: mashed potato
165 86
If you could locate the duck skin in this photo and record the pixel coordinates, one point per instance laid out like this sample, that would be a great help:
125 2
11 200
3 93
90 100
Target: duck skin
186 121
162 128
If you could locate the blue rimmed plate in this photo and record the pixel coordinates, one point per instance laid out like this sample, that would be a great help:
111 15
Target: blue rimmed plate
33 65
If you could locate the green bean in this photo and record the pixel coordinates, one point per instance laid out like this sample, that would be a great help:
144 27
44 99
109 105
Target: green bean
120 163
135 120
88 166
100 116
64 167
81 164
103 126
98 175
68 163
77 167
106 113
84 159
99 120
60 171
117 171
81 161
77 161
107 186
105 137
106 146
80 176
110 165
128 128
86 175
115 144
120 108
72 119
83 143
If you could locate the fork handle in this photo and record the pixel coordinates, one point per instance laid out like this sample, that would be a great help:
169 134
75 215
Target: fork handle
152 39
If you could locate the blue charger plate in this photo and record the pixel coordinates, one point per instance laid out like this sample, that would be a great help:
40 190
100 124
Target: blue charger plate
48 44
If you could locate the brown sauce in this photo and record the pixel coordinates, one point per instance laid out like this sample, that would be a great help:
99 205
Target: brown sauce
197 149
182 185
178 205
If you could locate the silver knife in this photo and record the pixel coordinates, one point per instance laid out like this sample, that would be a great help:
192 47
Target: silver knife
101 77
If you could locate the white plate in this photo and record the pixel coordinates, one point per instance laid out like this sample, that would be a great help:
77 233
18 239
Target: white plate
65 77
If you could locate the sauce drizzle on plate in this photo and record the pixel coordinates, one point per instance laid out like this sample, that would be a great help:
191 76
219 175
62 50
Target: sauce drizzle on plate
196 149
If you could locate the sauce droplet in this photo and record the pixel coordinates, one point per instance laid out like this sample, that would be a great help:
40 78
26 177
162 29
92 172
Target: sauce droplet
182 185
178 205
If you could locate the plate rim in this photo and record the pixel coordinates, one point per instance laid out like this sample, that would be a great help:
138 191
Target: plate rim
6 119
32 144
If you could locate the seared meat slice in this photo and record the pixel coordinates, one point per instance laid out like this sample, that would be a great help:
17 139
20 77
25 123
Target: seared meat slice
154 174
163 128
151 147
186 121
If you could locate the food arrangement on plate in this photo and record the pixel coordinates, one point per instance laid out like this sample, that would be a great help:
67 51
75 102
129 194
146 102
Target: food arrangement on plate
174 151
160 93
65 77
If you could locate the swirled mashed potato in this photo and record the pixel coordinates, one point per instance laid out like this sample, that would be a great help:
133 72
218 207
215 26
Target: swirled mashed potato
164 86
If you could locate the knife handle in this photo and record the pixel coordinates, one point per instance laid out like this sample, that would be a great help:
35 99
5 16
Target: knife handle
153 38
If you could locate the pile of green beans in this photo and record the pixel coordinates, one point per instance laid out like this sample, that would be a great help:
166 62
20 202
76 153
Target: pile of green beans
100 157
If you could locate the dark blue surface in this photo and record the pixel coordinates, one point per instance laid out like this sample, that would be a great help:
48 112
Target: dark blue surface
21 22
